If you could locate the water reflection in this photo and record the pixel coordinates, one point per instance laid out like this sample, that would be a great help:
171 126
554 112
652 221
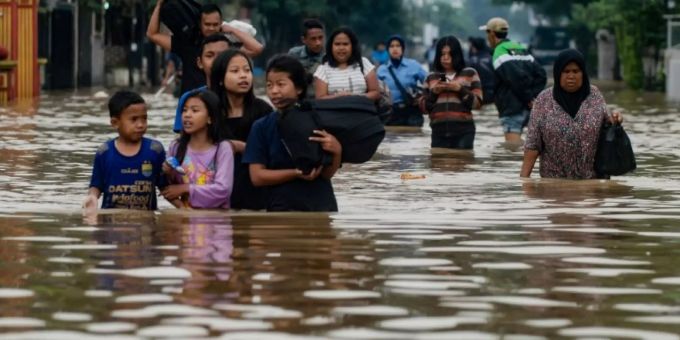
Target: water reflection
466 251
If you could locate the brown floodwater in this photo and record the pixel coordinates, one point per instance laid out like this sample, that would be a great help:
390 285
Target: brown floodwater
466 250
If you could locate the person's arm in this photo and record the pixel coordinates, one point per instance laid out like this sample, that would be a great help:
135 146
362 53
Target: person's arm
92 199
169 70
534 140
329 144
530 157
251 46
372 86
153 31
321 89
261 176
321 82
97 181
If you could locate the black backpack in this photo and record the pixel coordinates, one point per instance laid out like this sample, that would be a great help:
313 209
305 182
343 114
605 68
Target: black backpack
296 126
182 17
353 120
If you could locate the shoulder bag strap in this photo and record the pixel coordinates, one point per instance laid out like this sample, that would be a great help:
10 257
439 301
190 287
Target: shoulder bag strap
408 98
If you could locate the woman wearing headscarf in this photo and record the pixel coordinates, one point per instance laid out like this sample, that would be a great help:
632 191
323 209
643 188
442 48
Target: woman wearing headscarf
402 76
565 123
453 91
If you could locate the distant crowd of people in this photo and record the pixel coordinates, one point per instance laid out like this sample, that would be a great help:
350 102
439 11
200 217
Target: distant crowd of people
229 152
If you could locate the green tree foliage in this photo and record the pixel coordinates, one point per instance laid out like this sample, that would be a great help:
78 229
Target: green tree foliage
280 20
637 24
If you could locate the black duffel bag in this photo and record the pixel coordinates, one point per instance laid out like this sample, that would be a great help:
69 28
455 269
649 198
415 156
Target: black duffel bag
353 121
182 17
614 155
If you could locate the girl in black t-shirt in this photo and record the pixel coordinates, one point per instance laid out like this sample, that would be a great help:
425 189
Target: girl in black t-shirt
231 79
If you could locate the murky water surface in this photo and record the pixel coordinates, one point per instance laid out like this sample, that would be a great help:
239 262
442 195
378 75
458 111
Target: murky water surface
468 252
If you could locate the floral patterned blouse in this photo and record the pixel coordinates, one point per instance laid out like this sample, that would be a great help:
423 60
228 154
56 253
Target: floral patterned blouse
566 145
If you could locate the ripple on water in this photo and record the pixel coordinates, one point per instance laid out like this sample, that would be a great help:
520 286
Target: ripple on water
374 310
606 290
62 335
529 250
421 284
502 265
173 331
162 310
50 239
144 298
72 317
15 293
266 335
606 272
548 323
85 247
19 322
413 262
220 324
341 294
667 280
523 301
627 333
110 327
163 272
661 319
426 323
647 308
68 260
605 261
259 311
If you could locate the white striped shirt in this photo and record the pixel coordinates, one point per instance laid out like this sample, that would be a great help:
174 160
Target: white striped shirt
349 79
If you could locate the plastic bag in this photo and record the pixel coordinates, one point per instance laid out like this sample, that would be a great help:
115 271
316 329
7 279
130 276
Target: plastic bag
614 155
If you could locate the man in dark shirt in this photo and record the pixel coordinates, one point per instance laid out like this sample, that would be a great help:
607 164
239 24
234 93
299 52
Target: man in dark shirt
188 51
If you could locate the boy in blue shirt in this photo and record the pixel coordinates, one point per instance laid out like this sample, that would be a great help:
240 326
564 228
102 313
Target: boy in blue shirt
127 169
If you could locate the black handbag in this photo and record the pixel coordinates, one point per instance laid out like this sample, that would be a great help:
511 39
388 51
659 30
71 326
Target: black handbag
614 155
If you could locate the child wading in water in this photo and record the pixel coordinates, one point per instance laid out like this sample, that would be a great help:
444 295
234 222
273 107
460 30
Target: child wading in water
127 169
271 165
207 164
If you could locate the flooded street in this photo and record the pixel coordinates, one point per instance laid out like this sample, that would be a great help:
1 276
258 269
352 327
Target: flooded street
470 251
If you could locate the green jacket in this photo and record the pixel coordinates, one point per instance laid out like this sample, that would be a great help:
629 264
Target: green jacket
519 78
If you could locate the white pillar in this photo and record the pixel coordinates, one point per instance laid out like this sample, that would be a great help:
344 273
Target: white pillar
606 54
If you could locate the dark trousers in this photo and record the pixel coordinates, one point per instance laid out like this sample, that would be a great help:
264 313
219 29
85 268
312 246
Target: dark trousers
453 134
405 115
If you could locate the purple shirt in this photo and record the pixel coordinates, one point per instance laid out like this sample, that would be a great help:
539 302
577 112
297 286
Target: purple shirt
566 145
210 175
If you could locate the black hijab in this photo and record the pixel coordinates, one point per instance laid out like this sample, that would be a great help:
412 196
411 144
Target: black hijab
570 102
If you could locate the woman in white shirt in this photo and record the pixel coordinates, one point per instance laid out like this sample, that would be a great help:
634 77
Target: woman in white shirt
344 72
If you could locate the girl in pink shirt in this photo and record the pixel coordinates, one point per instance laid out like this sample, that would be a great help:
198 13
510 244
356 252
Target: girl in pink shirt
207 163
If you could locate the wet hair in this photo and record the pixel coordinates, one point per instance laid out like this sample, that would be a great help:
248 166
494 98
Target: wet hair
457 59
356 49
309 24
210 8
292 66
217 74
213 38
121 100
212 104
